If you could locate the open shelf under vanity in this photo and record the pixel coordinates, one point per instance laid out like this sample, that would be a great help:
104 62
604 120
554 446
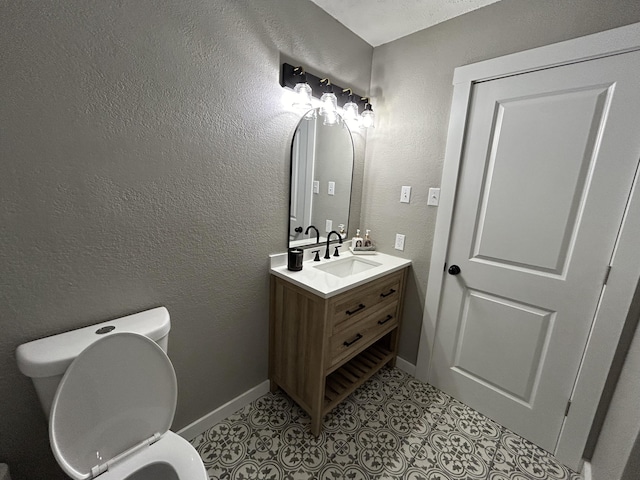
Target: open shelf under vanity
345 379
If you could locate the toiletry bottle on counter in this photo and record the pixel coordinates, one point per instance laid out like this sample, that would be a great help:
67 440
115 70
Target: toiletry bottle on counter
357 240
294 259
367 239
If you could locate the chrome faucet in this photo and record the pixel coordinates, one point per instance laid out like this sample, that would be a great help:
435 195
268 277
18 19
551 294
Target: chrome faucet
317 232
326 254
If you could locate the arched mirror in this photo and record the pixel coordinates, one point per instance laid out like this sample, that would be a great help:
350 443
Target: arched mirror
321 177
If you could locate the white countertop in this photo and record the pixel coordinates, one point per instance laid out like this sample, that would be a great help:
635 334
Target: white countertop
326 285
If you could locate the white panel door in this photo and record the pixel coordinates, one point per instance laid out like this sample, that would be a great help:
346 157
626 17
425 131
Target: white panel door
547 168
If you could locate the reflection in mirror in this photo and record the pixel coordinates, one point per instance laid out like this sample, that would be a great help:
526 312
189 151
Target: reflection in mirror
321 176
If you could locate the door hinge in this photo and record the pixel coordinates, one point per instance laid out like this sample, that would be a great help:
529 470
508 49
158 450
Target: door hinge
606 274
566 410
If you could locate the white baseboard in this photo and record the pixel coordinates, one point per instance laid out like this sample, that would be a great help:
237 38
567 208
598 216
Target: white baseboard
586 470
405 366
203 424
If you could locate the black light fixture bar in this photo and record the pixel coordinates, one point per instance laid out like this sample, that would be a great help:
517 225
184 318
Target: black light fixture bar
290 76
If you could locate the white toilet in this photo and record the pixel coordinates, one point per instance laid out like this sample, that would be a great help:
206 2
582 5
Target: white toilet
110 393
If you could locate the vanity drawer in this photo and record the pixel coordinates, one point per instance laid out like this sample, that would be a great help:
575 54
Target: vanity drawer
362 333
350 307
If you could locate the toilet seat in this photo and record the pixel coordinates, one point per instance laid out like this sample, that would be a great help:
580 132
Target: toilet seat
171 449
114 407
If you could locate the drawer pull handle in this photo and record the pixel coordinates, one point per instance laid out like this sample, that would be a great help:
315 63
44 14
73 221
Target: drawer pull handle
382 322
387 294
360 307
348 344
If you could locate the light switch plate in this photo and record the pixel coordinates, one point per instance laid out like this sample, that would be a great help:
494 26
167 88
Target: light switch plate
332 188
399 242
405 194
434 197
328 225
316 186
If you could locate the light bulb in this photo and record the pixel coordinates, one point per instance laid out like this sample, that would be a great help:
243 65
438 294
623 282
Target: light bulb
350 111
329 103
302 96
329 108
367 118
331 118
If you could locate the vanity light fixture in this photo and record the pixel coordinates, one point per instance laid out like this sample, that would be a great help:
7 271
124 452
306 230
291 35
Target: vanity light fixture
302 90
291 76
350 108
329 101
367 118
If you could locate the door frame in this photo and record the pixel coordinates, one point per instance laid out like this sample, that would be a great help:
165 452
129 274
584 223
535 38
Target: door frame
625 266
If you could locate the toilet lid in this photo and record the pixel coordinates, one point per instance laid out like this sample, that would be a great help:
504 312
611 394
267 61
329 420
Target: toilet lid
120 391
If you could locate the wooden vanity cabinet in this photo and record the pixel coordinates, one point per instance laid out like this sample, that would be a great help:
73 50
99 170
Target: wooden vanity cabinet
321 350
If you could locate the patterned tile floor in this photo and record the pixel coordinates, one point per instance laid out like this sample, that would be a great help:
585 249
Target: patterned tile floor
393 427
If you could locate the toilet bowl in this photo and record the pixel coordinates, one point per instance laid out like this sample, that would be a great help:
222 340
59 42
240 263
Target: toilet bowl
112 409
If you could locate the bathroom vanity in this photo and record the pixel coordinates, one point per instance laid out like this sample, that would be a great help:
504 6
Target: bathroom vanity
332 326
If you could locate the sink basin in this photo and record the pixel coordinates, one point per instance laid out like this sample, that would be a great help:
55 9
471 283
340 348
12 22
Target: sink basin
348 266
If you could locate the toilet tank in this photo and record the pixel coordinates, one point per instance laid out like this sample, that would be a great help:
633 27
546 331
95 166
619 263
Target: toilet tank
45 360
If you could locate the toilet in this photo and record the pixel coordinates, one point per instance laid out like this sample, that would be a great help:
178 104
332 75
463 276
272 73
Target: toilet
110 393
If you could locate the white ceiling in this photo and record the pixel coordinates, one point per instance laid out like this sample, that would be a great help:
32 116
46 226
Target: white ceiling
382 21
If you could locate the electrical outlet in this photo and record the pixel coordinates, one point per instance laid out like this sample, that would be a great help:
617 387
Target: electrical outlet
328 226
405 194
434 197
332 188
399 242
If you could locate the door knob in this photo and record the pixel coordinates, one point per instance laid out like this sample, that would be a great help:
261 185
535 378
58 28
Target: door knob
298 229
454 270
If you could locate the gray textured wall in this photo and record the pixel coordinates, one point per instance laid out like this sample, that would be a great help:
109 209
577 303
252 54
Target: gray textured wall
411 90
632 468
144 159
